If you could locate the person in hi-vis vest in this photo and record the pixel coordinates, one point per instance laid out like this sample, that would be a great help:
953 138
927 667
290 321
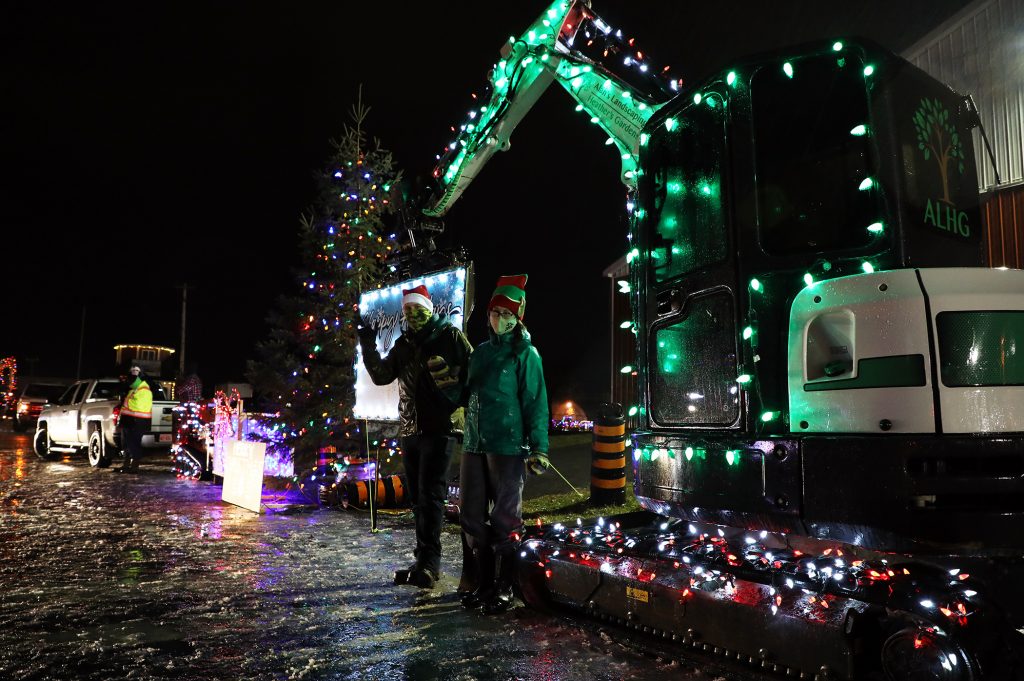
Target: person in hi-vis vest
134 420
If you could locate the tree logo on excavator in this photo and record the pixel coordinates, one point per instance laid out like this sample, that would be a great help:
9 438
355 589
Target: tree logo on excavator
938 138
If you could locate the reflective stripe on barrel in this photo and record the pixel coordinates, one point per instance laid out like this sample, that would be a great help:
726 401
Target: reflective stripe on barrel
608 460
390 492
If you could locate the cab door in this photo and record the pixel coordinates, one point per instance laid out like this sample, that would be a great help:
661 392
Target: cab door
690 327
63 416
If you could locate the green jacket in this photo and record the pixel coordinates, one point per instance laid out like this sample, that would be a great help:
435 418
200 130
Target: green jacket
507 401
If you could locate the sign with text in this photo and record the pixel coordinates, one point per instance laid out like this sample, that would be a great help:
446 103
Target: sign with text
243 473
383 310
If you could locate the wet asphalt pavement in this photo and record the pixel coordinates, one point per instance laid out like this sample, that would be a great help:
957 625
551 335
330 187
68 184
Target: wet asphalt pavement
148 577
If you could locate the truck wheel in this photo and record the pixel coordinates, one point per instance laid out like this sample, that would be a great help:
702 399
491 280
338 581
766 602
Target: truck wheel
921 654
42 444
98 457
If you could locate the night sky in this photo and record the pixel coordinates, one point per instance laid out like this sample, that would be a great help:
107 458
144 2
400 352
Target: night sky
154 144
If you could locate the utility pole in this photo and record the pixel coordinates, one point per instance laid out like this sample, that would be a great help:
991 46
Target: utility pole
81 342
181 350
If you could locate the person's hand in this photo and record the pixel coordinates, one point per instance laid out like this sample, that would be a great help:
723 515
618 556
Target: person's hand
366 333
537 463
441 373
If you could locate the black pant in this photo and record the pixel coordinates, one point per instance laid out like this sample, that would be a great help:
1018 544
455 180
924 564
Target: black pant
427 458
491 506
132 429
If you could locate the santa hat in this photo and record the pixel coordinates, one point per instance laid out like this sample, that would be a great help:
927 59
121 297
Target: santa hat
510 293
418 296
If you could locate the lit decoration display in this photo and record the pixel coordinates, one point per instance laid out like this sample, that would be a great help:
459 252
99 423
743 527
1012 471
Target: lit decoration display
679 561
226 414
8 384
382 308
617 85
305 366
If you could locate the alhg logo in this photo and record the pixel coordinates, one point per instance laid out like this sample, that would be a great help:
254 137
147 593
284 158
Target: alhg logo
939 140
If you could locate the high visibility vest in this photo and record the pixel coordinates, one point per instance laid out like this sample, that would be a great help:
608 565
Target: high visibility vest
139 401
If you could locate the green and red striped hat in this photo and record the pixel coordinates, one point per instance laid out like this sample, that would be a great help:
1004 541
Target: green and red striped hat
511 294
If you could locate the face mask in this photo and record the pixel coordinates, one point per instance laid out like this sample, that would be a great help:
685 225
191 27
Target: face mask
502 323
416 316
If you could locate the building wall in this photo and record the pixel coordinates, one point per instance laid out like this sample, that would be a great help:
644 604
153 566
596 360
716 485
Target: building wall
980 52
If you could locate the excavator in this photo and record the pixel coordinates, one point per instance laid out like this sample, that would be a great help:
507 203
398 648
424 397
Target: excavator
829 440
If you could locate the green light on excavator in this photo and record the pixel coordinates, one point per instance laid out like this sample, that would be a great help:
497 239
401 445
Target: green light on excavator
644 139
574 71
837 46
876 228
626 94
607 84
755 285
808 279
697 97
768 416
732 456
743 379
787 68
609 141
531 36
748 332
731 78
594 119
867 267
576 83
633 411
868 70
579 107
689 453
674 187
625 325
670 124
859 131
626 370
705 189
866 184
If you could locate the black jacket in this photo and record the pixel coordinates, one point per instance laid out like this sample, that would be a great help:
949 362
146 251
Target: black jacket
422 407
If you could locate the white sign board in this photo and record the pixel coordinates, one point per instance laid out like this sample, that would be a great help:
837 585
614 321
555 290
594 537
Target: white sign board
383 310
243 473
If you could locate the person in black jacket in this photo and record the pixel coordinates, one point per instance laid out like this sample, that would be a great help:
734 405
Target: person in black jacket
429 362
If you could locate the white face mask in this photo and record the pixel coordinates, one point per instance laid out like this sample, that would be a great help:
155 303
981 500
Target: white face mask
502 320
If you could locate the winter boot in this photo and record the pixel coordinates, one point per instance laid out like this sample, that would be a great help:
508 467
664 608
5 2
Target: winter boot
484 561
402 576
501 598
470 578
424 578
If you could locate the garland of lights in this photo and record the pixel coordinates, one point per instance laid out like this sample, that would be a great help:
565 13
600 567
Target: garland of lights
8 382
711 562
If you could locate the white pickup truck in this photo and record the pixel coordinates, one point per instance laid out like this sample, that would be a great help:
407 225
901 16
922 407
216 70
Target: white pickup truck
85 417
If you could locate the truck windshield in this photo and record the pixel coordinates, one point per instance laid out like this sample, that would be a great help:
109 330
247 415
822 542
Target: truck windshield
50 393
813 157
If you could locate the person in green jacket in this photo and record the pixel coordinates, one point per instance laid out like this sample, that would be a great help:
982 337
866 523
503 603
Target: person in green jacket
506 435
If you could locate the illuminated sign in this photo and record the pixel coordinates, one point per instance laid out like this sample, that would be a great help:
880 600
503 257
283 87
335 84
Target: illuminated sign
243 473
382 308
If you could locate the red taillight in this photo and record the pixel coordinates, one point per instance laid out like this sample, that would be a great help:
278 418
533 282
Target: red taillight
116 414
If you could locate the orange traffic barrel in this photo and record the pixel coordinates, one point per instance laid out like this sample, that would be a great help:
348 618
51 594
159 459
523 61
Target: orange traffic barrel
390 492
608 457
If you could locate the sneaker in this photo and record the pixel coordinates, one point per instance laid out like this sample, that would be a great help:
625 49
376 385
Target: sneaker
423 578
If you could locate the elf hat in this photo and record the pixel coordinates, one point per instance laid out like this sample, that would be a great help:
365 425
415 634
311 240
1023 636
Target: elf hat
510 293
418 296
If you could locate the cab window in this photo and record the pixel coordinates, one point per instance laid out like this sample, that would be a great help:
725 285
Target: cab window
680 191
813 160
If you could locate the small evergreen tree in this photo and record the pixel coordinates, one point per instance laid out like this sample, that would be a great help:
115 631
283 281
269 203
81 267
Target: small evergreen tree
304 369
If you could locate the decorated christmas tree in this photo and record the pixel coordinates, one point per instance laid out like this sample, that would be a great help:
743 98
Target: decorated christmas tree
305 367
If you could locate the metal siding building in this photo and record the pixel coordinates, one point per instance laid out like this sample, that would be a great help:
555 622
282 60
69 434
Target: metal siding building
980 52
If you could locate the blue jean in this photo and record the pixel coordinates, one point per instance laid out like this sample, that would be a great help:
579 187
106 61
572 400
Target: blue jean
491 501
426 459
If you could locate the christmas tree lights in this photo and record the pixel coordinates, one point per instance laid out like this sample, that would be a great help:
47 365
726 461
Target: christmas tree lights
305 367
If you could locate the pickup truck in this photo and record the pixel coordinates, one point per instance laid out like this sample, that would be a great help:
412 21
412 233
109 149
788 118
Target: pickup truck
85 417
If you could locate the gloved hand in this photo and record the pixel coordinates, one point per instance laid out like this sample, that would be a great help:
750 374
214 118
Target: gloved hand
537 463
366 333
442 374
